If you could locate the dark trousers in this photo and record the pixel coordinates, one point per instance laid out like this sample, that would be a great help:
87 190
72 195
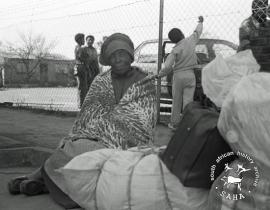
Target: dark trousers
83 82
56 193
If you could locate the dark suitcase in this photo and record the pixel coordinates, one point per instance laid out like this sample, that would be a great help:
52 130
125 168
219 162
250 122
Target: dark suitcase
195 146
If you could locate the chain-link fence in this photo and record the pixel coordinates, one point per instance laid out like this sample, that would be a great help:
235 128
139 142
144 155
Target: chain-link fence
45 78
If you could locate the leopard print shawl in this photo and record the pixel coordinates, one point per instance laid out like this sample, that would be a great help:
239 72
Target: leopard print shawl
126 124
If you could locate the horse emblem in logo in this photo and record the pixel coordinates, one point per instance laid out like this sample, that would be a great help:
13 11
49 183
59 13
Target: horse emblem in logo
239 177
228 180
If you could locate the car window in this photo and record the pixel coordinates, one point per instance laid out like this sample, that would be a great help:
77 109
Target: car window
202 53
224 50
201 48
206 51
148 53
169 47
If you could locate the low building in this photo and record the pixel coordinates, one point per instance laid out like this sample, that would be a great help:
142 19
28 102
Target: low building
50 71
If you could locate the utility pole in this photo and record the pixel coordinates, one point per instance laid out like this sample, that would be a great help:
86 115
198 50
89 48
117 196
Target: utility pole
161 9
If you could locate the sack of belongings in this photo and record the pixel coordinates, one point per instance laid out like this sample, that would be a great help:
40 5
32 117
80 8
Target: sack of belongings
245 123
220 75
245 117
138 180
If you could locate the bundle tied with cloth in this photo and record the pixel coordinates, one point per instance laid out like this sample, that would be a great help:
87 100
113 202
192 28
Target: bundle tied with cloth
112 179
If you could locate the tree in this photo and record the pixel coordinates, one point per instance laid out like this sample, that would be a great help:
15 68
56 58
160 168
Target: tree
99 43
31 49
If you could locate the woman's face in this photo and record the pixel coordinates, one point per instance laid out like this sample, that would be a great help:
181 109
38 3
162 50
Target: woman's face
89 41
120 61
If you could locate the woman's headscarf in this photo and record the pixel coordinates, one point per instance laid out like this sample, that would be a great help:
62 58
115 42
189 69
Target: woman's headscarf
117 41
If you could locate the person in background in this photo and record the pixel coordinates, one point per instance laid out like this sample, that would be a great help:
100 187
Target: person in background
91 60
2 76
249 27
80 69
119 111
182 61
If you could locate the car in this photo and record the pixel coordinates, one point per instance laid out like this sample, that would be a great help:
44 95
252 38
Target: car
146 57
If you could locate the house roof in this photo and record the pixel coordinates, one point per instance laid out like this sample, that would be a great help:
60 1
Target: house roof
7 55
52 56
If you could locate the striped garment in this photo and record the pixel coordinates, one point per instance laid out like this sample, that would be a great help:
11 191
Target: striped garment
122 125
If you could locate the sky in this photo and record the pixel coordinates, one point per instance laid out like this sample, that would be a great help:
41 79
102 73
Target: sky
60 20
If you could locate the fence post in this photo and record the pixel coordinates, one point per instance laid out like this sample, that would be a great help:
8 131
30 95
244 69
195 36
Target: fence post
160 42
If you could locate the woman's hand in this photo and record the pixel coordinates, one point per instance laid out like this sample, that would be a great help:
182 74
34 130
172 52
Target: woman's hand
163 74
157 76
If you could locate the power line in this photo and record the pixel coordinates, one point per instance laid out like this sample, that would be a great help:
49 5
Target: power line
211 15
24 7
76 15
156 24
125 28
46 11
116 29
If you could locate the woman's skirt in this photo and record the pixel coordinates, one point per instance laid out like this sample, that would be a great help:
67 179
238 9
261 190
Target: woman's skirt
53 178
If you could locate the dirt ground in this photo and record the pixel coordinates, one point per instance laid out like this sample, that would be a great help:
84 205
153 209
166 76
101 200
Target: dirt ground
34 128
46 129
19 128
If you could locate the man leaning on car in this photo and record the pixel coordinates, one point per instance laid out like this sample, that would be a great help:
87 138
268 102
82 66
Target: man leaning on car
182 61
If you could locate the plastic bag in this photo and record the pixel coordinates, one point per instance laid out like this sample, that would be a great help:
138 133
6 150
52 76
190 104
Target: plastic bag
245 117
220 75
114 179
245 123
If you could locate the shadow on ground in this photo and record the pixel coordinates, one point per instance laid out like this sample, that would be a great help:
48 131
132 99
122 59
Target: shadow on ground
26 139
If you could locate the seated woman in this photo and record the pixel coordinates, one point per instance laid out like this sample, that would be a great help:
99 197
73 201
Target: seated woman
119 111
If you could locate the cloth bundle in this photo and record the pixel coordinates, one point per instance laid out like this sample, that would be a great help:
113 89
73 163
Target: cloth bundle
114 179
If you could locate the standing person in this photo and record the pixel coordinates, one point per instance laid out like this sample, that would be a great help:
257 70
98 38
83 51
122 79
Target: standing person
2 76
182 61
249 28
254 34
80 69
91 60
